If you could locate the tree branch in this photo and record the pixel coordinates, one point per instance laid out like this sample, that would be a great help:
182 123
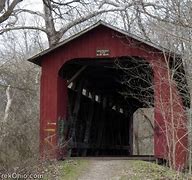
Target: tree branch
22 28
83 19
64 4
9 11
2 5
18 11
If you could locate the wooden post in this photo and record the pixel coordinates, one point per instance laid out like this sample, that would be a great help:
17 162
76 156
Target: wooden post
131 135
76 75
75 114
89 123
101 125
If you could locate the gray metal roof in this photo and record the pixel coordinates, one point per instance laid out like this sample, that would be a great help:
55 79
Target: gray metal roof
36 59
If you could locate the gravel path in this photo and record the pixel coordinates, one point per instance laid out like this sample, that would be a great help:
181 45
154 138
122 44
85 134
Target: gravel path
105 170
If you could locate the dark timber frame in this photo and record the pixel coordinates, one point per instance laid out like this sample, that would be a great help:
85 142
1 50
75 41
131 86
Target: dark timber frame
100 110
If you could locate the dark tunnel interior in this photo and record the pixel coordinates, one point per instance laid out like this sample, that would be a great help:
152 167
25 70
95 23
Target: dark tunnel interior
103 94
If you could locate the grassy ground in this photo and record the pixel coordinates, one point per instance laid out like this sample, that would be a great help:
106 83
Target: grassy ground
127 170
64 170
72 169
151 171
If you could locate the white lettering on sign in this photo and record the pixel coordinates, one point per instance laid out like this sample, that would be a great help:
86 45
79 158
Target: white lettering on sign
102 52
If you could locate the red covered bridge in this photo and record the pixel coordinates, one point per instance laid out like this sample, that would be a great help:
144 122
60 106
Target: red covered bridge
93 82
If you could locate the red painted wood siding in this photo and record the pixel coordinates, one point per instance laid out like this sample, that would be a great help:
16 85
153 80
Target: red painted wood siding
54 90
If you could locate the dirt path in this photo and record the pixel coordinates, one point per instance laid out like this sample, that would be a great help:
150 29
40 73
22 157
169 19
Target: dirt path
105 170
118 170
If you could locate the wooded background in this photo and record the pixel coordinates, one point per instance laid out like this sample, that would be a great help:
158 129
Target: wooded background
28 27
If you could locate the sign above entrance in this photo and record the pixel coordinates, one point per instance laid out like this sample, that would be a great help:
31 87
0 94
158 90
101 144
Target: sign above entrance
102 52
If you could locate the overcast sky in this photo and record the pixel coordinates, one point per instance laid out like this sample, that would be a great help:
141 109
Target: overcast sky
32 4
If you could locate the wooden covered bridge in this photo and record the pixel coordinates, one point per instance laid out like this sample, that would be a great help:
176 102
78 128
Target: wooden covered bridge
93 82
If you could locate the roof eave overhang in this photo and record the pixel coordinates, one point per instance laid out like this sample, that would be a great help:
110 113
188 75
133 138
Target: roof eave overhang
37 58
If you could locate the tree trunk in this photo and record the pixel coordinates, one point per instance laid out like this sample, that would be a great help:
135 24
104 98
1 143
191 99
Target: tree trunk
53 36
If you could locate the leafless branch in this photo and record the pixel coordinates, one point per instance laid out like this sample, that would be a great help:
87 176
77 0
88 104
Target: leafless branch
86 17
22 28
18 11
60 3
9 10
2 5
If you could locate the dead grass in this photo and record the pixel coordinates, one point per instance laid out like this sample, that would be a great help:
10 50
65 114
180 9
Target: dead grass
65 170
127 170
151 171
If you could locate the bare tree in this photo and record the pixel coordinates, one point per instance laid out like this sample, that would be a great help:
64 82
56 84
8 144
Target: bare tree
59 17
19 107
7 9
171 105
